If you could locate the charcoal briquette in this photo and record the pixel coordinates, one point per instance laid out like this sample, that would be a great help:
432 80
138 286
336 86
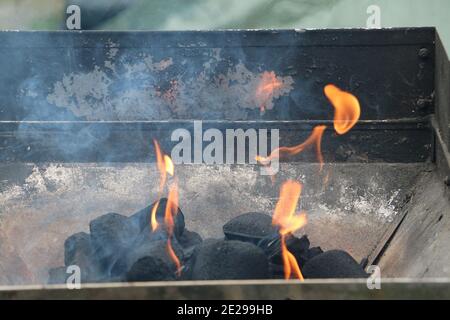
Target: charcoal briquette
151 261
249 227
150 269
111 234
78 250
229 259
333 264
142 218
299 247
189 239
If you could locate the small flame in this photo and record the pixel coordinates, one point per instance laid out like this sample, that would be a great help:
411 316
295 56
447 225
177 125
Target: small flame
169 165
161 165
153 221
174 257
165 166
314 139
266 87
171 211
290 263
284 216
346 106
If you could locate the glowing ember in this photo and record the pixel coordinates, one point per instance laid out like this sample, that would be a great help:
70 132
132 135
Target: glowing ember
288 222
315 139
346 108
266 87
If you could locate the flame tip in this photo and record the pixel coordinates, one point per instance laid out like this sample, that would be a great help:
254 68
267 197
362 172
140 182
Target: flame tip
347 108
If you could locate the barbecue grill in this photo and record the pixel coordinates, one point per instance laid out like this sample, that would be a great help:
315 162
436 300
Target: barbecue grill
79 111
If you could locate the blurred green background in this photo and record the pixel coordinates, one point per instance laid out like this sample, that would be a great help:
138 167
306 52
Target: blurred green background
223 14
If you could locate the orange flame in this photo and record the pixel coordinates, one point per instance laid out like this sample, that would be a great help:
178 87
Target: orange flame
171 211
284 216
266 88
314 139
168 164
160 163
153 221
173 257
346 106
165 166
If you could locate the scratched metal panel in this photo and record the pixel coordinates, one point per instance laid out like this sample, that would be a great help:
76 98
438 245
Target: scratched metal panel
253 290
421 245
213 74
442 81
373 141
349 206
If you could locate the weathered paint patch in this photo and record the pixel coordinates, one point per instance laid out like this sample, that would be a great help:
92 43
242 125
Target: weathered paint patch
145 88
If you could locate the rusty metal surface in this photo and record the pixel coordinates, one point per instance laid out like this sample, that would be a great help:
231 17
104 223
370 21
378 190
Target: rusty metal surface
401 141
49 202
421 246
442 100
71 97
213 74
101 96
254 290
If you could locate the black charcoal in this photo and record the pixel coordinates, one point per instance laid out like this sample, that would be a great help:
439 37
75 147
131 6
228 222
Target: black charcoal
78 250
137 249
150 269
299 247
154 248
314 251
229 259
249 227
151 262
141 219
111 234
121 248
189 239
333 264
